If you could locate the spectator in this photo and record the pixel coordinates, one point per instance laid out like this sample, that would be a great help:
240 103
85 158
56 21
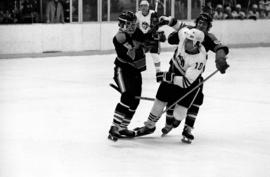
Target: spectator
26 12
228 13
7 17
254 12
55 12
264 6
238 13
1 16
218 15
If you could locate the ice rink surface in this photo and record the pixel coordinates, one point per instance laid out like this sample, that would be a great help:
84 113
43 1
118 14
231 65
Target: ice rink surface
55 114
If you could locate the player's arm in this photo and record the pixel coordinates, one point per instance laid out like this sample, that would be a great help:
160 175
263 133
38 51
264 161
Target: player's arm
192 73
172 22
220 50
121 39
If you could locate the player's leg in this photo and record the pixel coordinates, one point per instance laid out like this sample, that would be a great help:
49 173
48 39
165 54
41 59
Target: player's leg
169 121
155 51
191 102
135 90
156 111
193 112
150 125
123 112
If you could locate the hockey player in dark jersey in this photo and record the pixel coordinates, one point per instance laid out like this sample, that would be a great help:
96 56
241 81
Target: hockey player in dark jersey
204 23
129 63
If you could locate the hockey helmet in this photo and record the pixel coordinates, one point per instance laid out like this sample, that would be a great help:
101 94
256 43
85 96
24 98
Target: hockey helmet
204 18
197 36
127 21
144 2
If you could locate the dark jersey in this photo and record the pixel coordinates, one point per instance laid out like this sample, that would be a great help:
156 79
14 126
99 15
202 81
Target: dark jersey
129 50
210 42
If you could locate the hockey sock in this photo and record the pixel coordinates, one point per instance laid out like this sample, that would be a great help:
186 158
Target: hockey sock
156 61
127 119
169 116
119 114
192 115
180 112
155 113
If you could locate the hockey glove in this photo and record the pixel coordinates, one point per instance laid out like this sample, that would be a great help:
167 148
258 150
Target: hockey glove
163 20
165 76
221 64
159 76
159 36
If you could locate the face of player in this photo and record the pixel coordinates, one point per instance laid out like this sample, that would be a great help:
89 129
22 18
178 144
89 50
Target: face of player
202 25
189 45
144 9
130 27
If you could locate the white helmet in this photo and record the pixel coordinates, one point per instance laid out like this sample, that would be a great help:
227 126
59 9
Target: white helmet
195 35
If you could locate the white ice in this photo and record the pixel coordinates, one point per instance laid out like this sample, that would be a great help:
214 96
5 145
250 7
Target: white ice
55 114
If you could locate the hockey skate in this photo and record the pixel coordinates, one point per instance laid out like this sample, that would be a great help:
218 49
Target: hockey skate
141 131
114 133
187 136
170 124
125 133
176 123
165 130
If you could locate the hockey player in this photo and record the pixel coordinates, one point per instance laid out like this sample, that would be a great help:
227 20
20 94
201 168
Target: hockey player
129 63
186 67
147 20
204 23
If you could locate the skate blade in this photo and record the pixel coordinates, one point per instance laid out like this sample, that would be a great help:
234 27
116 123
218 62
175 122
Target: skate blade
186 140
163 134
112 138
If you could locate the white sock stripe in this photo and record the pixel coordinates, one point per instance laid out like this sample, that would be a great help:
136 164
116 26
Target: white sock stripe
196 105
119 119
121 80
192 116
119 114
169 115
124 105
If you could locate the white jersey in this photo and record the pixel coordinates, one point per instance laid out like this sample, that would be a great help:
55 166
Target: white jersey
191 66
144 21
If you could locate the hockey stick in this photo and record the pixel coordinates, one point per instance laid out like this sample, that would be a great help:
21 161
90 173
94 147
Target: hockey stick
137 97
180 99
156 5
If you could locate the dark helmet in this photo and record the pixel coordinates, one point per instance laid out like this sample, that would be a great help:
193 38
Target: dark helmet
127 21
205 17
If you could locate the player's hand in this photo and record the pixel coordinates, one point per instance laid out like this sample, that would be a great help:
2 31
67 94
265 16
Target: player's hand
165 76
221 64
164 20
131 53
159 36
159 76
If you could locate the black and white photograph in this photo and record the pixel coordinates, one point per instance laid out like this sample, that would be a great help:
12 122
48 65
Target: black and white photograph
134 88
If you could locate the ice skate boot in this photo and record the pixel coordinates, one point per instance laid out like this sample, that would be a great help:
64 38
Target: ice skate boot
176 123
168 126
187 136
114 133
141 131
165 130
127 133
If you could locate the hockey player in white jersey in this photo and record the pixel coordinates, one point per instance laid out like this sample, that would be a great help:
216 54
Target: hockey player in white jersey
186 66
147 20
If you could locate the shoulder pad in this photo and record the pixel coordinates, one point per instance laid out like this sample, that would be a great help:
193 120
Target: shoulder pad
212 36
121 37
